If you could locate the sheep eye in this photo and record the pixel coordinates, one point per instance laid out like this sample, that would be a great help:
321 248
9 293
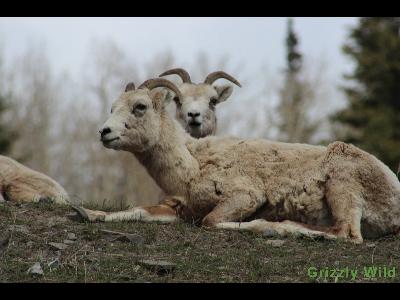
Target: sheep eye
111 110
139 108
213 101
178 103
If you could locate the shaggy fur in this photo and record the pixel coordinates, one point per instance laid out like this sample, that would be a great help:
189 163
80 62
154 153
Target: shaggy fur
258 185
21 184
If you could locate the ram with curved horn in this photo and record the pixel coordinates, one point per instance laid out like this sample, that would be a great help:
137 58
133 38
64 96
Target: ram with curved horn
196 109
333 192
184 75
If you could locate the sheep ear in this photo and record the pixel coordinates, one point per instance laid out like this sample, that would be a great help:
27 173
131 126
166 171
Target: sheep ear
166 95
223 91
169 96
157 96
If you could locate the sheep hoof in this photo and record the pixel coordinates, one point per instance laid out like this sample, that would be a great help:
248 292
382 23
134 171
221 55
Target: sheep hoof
81 212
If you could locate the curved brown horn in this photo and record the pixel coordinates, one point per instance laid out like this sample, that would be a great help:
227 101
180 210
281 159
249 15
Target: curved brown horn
130 87
161 82
180 72
220 74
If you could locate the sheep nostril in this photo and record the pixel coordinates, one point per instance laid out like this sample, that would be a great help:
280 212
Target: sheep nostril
105 131
193 115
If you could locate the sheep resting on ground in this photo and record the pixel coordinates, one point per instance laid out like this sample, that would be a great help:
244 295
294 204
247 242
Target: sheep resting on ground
338 191
21 184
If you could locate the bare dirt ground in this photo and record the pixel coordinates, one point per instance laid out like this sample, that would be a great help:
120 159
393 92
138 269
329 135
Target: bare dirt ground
196 254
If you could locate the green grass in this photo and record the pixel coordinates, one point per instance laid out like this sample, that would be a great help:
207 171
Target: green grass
200 255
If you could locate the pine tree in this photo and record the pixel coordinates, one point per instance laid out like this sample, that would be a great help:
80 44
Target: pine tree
295 96
293 56
371 120
6 136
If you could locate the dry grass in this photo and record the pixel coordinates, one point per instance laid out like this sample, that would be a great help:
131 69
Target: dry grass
199 255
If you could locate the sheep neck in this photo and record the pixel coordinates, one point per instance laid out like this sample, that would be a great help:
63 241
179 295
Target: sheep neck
169 162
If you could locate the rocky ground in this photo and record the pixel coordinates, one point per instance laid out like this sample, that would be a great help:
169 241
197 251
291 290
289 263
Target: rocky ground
45 243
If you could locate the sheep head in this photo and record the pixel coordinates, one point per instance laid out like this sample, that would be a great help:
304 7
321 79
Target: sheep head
134 124
196 109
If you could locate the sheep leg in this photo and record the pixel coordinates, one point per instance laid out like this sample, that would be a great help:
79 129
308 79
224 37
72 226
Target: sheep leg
345 202
22 194
239 207
346 210
283 229
157 213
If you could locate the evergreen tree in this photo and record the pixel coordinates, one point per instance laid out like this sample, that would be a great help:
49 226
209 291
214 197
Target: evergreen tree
6 136
293 56
295 96
371 120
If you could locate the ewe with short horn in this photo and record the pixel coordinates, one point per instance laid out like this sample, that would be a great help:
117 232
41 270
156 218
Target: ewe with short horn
196 110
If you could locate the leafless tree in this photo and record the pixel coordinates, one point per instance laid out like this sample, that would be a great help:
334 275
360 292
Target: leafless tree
34 99
57 118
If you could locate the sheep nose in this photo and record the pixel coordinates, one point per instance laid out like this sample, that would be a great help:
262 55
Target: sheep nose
193 115
105 131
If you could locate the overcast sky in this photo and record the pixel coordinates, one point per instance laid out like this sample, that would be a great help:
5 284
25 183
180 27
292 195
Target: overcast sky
251 41
254 43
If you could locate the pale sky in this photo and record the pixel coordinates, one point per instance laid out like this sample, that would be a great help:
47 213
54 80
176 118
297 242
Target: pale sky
254 43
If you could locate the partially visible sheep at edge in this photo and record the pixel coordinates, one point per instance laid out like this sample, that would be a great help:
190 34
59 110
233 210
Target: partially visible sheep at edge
19 183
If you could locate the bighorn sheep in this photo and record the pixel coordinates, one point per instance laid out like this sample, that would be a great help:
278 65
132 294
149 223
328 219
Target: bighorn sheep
20 184
196 110
338 191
